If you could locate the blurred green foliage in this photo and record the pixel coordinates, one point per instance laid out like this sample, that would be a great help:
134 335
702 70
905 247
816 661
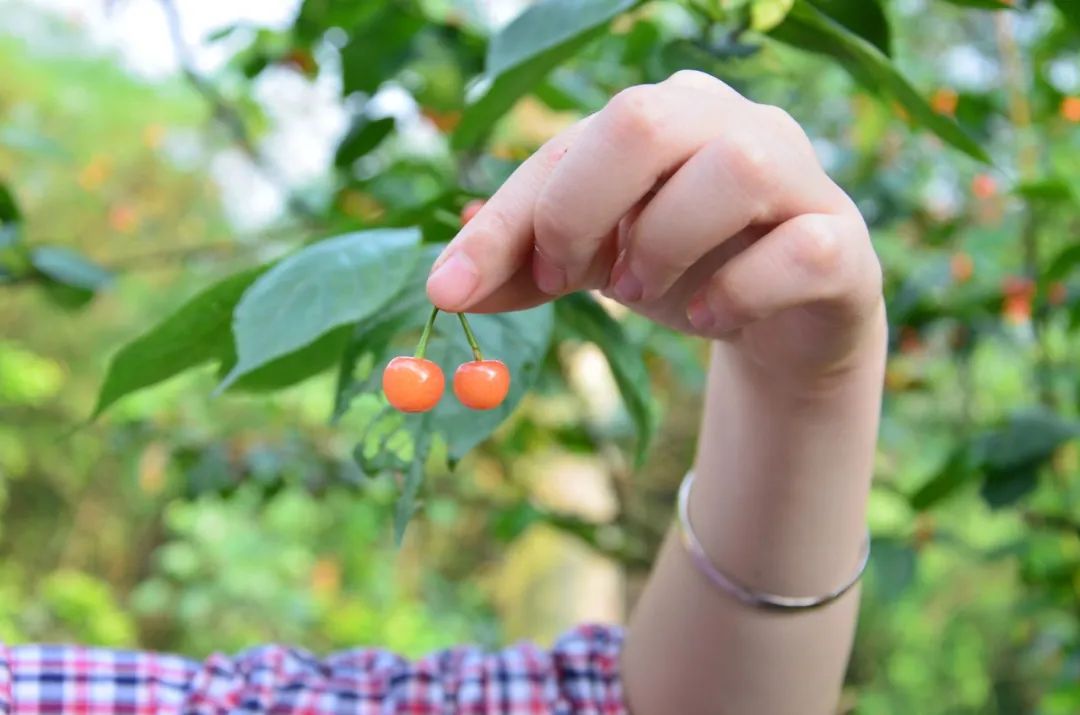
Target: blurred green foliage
177 521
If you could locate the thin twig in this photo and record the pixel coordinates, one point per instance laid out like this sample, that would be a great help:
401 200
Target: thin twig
228 115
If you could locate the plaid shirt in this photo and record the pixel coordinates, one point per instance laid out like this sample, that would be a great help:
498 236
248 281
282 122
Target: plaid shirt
579 675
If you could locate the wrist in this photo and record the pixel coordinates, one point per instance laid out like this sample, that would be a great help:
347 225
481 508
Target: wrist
783 473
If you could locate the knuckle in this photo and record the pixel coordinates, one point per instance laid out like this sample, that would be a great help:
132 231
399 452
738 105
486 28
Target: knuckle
634 115
780 120
693 78
749 163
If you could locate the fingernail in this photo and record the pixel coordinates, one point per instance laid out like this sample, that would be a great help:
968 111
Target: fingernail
550 278
700 314
453 280
628 287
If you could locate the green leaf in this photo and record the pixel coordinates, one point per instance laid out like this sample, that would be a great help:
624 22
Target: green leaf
317 16
308 294
410 487
767 14
9 210
1013 454
958 469
68 268
196 334
1070 10
863 17
362 137
1052 190
586 319
983 4
290 369
1026 439
525 51
378 49
1063 263
1001 489
808 28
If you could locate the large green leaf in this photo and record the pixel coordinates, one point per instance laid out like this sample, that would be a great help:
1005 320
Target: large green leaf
196 334
526 50
863 17
584 318
290 369
810 29
326 285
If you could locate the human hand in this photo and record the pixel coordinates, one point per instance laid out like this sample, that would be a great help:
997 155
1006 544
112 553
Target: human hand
695 207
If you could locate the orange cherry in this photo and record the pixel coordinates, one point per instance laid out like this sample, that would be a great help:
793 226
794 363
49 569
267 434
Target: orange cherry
413 384
469 210
482 384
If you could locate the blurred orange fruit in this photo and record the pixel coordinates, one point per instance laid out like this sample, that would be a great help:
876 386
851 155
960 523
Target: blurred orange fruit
445 122
962 267
1017 309
1070 109
123 218
944 101
983 186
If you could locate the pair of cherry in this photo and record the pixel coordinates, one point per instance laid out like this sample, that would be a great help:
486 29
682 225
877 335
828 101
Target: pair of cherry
416 384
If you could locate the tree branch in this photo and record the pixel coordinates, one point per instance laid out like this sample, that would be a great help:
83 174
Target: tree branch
228 115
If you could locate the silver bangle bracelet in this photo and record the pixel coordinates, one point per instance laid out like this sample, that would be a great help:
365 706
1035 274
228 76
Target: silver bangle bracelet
748 596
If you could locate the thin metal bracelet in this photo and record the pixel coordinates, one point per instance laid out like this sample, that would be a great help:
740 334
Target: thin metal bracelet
748 596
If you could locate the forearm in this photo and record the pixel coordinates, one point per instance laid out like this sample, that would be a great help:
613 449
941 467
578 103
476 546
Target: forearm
779 504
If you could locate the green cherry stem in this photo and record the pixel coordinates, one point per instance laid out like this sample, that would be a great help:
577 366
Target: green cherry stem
471 338
421 347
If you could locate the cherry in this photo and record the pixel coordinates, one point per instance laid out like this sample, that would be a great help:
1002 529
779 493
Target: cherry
482 384
413 384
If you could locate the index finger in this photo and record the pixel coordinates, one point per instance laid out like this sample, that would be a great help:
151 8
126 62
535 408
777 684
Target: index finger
493 250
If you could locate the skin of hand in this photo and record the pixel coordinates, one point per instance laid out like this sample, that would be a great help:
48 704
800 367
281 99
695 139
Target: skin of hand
710 214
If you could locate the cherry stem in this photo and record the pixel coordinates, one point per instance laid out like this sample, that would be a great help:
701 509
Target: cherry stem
477 355
421 347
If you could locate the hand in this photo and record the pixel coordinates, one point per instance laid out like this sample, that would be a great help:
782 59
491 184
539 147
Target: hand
695 207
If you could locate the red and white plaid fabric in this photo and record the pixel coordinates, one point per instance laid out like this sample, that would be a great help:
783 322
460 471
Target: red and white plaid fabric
580 675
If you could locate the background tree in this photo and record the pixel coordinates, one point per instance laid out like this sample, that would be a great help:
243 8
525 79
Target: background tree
177 521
